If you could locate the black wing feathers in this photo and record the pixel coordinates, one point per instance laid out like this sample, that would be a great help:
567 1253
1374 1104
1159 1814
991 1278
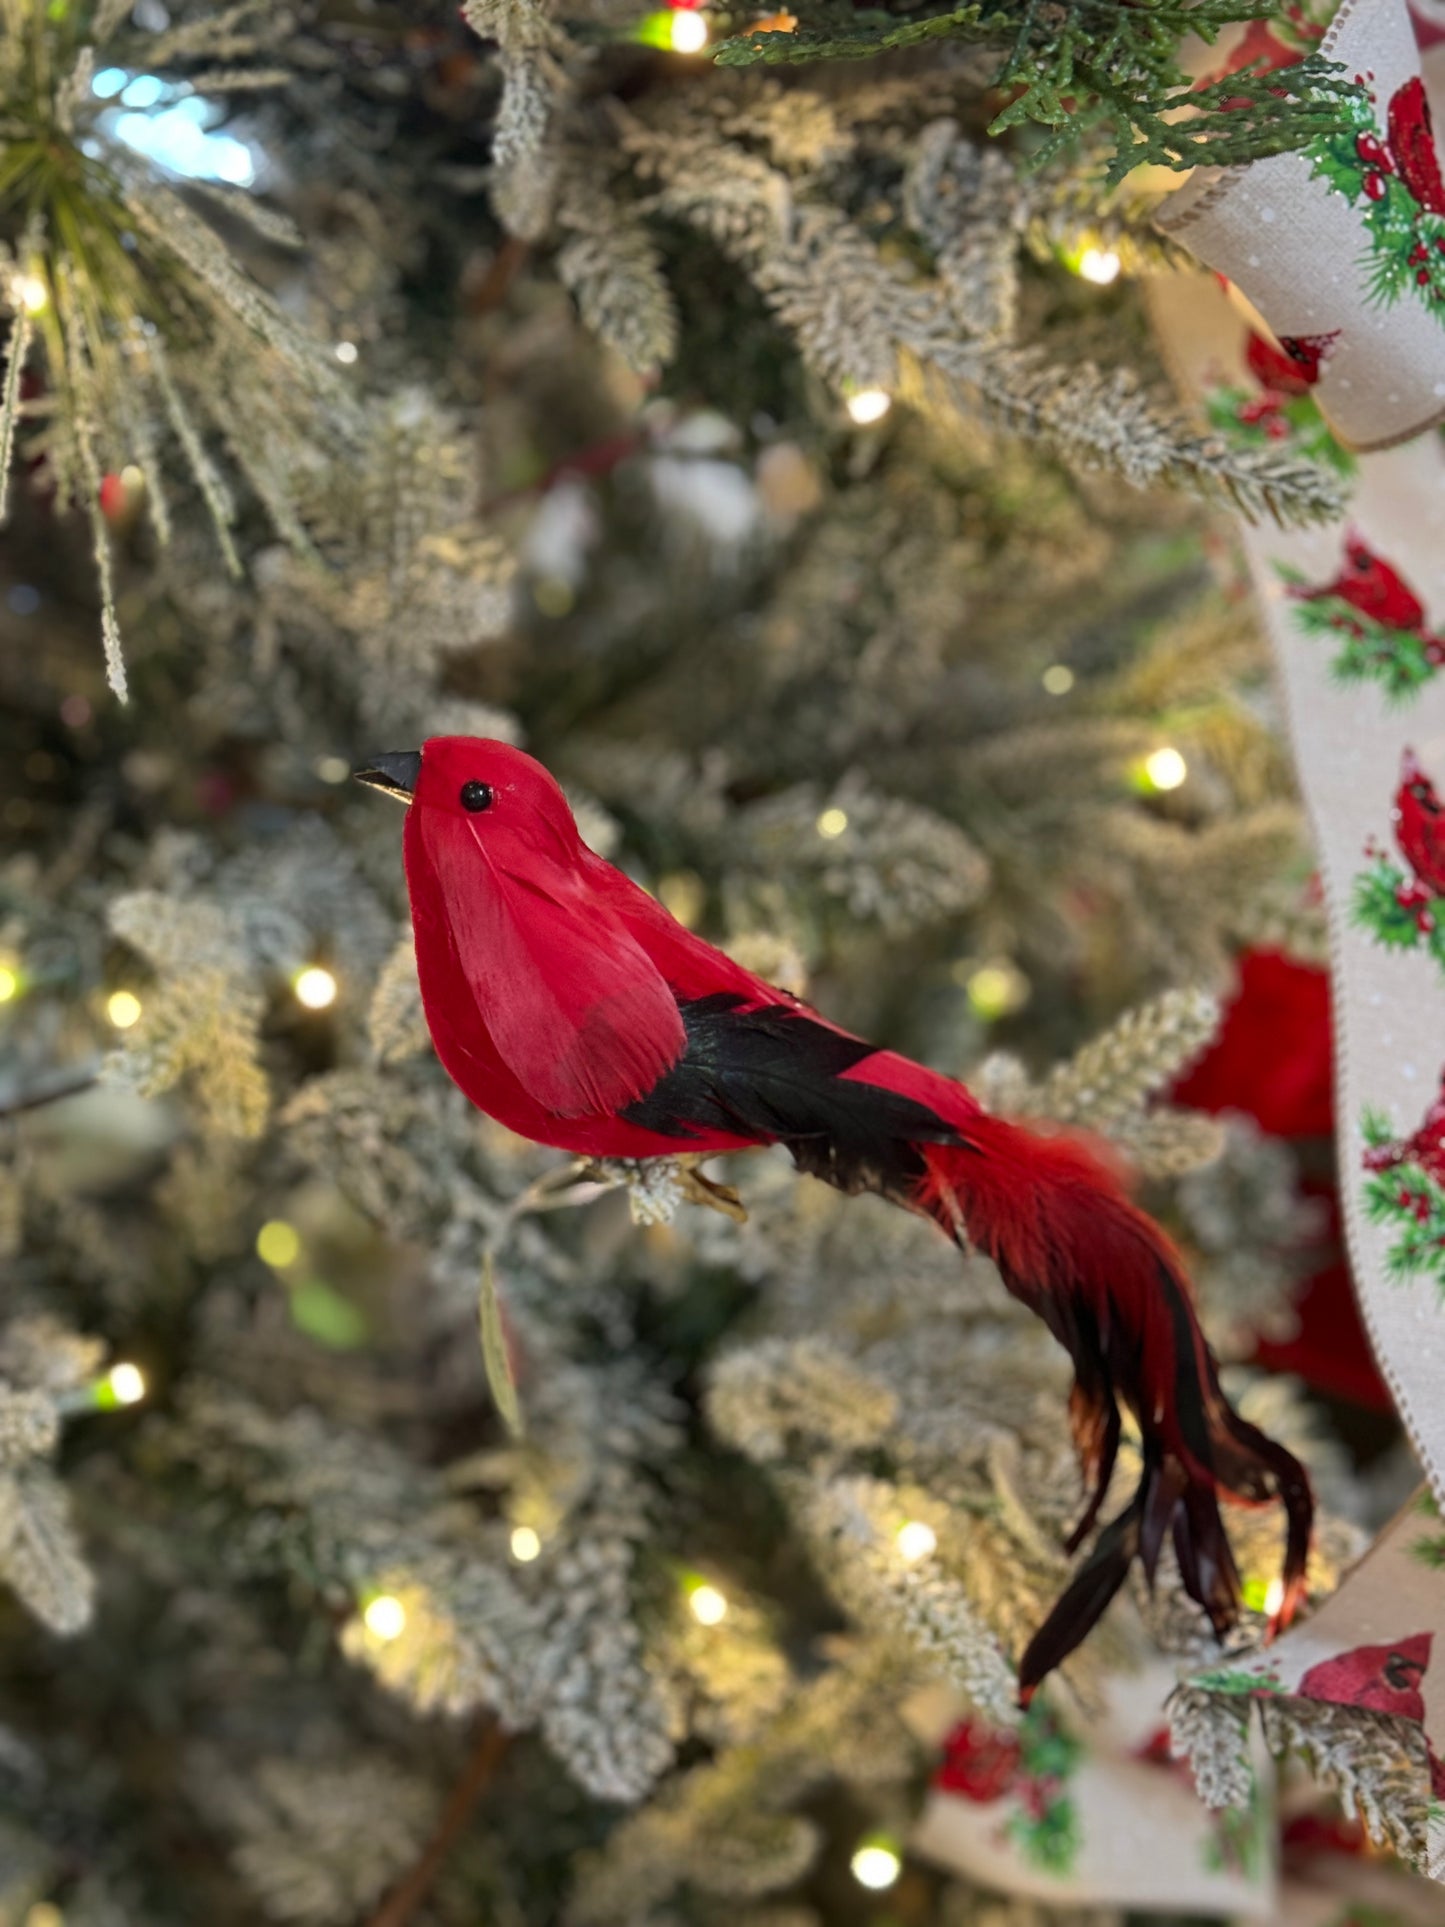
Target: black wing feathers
777 1074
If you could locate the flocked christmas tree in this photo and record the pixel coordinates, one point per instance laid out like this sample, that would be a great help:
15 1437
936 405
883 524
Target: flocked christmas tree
399 1522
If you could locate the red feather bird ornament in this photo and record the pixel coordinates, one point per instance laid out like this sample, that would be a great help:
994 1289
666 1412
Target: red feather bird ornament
569 1005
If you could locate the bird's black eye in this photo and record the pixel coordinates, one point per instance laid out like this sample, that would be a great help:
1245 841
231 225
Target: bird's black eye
477 796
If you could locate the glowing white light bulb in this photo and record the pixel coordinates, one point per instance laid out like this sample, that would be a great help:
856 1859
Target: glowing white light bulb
1166 769
876 1866
707 1605
9 983
384 1617
688 31
315 987
832 822
525 1545
1274 1595
126 1384
345 352
1058 679
915 1540
122 1007
868 405
33 293
1099 265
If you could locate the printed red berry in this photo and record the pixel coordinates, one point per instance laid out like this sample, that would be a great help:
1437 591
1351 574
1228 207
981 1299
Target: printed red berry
1435 652
1371 152
1422 275
1375 186
1419 252
1276 428
1425 923
1260 409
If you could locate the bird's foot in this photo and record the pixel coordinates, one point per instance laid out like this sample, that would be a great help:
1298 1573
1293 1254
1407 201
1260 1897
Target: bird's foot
698 1189
657 1186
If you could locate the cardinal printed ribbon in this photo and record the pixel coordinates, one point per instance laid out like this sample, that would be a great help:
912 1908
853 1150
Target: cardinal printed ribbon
1356 613
1096 1813
1371 1646
1341 246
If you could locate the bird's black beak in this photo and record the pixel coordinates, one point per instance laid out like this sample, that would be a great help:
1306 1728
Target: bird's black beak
396 772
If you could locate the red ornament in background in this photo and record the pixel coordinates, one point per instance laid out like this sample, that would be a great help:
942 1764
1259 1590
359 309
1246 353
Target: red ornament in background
1273 1061
1272 1057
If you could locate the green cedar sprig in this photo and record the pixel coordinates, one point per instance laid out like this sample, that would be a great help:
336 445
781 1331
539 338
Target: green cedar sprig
1083 68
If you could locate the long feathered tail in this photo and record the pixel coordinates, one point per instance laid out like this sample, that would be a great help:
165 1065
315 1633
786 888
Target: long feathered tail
1111 1288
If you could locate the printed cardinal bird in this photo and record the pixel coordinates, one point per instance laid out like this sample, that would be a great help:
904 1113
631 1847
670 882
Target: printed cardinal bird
1419 819
1412 145
1294 366
1386 1679
1425 1148
1368 583
568 1004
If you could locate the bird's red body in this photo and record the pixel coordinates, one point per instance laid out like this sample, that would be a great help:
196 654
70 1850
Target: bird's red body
1419 817
1368 583
569 1005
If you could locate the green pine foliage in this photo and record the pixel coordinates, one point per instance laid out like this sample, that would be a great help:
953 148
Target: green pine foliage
1082 68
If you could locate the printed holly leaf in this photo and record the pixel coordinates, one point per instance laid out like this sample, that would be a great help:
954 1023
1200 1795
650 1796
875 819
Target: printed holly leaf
1408 1202
1403 256
1049 1839
1296 420
1369 650
1375 906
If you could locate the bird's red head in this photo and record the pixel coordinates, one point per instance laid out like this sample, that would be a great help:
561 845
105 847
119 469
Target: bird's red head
499 795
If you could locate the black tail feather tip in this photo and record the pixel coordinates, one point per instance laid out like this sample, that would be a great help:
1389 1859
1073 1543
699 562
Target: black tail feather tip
1168 1501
